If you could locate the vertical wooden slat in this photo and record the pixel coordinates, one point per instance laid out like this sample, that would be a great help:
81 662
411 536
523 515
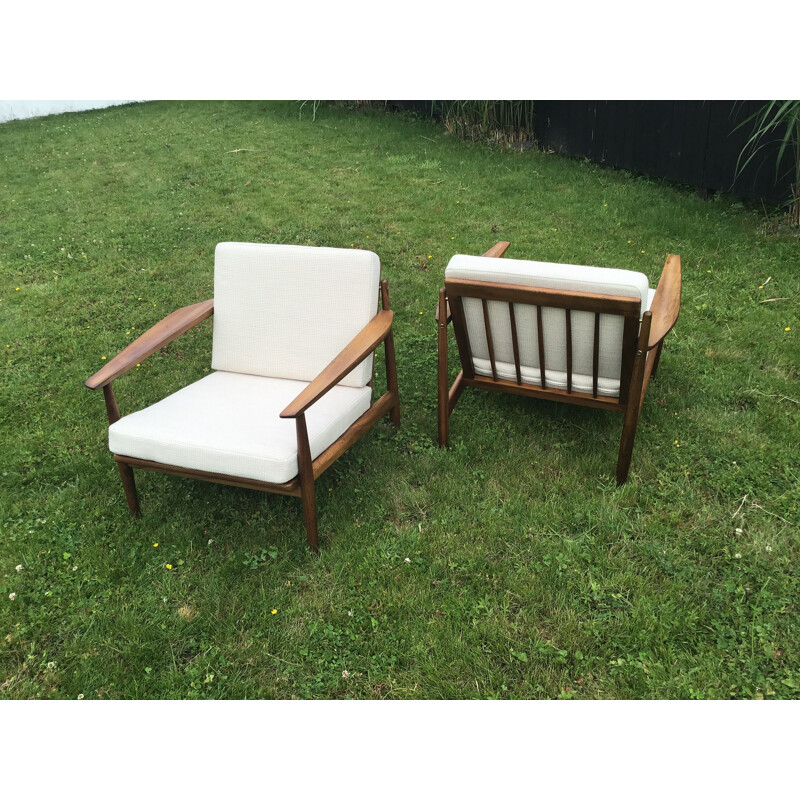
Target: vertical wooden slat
489 341
596 356
515 342
461 334
569 350
541 345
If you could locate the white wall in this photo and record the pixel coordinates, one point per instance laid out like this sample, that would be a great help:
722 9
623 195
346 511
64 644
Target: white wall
23 109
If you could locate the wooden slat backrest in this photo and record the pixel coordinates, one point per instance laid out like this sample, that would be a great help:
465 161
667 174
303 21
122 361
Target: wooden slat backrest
628 308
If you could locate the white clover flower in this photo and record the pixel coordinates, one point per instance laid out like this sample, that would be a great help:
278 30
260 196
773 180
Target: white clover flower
345 674
12 596
80 697
349 613
75 568
19 568
51 665
768 548
739 530
407 560
738 555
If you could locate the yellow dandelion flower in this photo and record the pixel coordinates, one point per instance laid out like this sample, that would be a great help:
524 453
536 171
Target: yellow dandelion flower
643 251
155 544
17 288
274 610
168 566
367 236
103 358
760 287
787 329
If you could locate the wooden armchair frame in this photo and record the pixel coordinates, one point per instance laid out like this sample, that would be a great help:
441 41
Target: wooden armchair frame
377 331
641 348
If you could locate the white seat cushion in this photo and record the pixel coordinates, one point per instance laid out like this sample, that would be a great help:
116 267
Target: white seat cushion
569 277
284 311
229 423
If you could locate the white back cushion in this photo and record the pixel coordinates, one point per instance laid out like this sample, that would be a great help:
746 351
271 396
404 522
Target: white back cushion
544 275
285 311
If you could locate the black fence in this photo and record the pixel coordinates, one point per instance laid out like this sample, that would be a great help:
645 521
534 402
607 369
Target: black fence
694 142
687 141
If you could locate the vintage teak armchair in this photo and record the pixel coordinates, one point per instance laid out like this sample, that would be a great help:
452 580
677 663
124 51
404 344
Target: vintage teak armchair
295 329
583 335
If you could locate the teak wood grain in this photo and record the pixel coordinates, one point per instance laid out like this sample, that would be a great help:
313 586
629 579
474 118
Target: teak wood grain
364 343
642 343
161 334
666 303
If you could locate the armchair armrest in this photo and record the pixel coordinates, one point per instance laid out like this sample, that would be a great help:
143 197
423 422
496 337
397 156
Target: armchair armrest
666 303
498 251
364 342
162 333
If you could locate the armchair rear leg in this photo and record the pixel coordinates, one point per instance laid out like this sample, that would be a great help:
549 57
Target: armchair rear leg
391 363
632 412
129 485
442 390
626 444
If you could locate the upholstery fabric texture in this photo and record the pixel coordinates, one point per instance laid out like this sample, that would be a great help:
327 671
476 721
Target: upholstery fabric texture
286 311
229 423
569 277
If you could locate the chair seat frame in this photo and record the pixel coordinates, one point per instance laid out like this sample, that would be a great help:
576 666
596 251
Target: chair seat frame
378 331
642 342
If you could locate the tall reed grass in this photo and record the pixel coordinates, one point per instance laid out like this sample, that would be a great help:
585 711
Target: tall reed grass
500 121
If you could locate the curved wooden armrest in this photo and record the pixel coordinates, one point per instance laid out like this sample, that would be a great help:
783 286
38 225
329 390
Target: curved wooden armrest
162 333
666 303
448 315
364 342
498 251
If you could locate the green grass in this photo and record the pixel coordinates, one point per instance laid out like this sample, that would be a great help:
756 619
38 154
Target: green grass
509 566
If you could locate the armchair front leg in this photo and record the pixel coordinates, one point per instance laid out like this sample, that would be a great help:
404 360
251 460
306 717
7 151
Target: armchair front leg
306 475
162 333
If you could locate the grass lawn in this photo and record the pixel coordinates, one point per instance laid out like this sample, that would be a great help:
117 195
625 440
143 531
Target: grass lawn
510 566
